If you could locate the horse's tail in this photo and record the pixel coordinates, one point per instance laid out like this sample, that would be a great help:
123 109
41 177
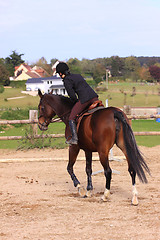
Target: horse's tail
134 156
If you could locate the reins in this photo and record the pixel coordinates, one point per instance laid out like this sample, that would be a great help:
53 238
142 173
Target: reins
60 117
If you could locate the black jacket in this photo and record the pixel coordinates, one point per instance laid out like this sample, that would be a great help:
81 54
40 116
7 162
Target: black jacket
75 84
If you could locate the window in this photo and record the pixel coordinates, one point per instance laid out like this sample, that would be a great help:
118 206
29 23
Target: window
50 82
47 82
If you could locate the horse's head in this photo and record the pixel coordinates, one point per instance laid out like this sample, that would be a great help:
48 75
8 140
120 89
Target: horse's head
46 112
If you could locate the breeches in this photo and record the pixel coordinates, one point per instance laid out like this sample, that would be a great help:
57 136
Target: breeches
80 107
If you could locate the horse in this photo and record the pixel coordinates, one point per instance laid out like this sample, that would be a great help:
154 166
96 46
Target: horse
97 132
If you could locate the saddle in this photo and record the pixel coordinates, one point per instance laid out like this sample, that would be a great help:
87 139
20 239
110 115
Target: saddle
96 105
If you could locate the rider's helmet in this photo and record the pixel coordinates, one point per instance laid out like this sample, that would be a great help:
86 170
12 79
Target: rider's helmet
62 68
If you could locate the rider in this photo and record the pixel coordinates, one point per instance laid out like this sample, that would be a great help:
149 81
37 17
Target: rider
81 94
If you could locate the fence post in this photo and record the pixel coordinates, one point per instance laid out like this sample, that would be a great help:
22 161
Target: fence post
33 115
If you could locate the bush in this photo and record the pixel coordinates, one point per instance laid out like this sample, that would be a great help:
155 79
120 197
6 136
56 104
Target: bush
29 142
1 89
16 114
18 84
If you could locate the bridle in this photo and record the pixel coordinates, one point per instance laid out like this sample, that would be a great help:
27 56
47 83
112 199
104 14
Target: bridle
45 124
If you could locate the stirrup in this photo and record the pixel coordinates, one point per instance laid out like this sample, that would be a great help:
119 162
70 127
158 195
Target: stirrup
72 141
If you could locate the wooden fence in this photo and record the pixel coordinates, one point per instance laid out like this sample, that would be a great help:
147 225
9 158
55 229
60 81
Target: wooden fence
33 120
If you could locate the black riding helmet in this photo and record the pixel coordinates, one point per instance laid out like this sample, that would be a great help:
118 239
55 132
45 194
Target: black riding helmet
62 68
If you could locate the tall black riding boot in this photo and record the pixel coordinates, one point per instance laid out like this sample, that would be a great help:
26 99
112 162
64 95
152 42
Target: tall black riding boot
73 127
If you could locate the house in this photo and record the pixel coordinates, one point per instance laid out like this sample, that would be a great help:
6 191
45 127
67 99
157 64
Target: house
46 85
40 71
54 69
24 72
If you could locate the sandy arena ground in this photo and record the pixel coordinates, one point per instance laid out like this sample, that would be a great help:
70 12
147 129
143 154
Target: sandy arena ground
39 202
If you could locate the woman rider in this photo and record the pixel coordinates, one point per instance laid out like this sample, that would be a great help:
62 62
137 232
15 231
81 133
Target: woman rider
81 94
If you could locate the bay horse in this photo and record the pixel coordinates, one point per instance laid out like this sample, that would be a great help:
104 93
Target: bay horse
97 132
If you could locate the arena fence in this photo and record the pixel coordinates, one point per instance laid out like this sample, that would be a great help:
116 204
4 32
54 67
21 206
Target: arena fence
33 120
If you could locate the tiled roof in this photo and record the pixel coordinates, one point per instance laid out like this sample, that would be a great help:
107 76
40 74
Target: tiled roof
25 65
32 74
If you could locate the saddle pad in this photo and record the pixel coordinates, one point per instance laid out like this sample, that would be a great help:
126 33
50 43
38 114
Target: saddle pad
89 112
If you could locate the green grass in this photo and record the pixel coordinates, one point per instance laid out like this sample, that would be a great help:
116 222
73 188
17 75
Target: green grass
148 141
146 126
21 129
27 101
113 94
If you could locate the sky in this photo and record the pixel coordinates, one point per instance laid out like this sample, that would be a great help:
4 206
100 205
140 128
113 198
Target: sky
90 29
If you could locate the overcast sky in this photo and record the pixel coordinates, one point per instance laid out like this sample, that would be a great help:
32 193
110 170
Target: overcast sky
79 28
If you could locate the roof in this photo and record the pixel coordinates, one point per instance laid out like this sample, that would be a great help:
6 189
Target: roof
25 65
33 74
40 80
57 86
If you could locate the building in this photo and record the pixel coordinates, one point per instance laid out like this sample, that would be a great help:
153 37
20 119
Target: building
24 72
46 85
54 69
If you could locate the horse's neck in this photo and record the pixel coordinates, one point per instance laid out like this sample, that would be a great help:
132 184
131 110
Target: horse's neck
62 109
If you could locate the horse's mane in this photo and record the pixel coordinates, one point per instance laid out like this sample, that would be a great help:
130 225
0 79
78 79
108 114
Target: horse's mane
65 100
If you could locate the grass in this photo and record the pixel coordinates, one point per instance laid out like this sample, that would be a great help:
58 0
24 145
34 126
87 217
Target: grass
22 129
146 96
146 125
27 101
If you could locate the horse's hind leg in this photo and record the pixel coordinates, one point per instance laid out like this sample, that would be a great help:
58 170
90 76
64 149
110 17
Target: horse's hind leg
89 173
107 172
121 145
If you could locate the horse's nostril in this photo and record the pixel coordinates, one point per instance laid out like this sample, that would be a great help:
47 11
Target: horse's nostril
42 127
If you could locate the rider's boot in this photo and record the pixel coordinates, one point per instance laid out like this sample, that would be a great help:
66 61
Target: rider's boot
73 128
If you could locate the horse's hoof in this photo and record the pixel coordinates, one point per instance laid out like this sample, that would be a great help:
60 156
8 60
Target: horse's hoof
135 201
81 191
134 198
106 195
104 199
89 193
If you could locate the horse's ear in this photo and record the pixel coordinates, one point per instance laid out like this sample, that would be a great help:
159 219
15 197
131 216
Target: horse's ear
40 93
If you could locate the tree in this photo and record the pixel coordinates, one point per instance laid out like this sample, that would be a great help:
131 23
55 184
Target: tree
12 61
53 61
155 72
131 68
144 73
74 65
4 76
99 73
42 62
117 66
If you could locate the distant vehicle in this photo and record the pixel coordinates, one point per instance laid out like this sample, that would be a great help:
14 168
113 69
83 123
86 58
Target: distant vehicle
28 89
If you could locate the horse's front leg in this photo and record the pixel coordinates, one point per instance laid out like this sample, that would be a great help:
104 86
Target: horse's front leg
73 152
89 173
